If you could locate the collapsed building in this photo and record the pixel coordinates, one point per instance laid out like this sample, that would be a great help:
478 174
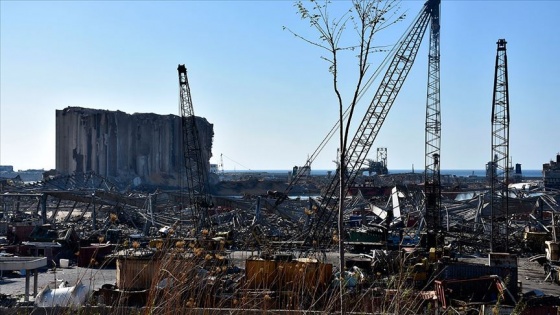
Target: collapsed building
130 149
551 174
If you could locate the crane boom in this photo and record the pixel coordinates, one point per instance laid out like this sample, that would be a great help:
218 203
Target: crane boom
432 178
500 153
373 120
194 157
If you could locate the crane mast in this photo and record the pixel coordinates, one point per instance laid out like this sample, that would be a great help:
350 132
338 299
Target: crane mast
432 184
500 153
372 121
382 158
194 157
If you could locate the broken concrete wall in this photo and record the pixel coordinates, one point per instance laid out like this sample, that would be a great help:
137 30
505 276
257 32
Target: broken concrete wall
139 148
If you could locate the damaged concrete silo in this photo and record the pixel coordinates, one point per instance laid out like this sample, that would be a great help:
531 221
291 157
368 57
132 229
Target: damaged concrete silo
140 148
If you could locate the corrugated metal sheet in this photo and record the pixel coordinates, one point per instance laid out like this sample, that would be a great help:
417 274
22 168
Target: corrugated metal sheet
287 275
472 271
93 256
136 274
261 274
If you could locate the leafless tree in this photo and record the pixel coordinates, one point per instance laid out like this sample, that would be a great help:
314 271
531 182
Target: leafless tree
357 26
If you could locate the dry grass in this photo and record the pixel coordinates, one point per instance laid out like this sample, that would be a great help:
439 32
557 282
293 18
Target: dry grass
187 277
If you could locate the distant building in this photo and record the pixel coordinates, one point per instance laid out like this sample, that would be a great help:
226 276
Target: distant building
20 177
6 169
514 176
377 168
551 174
304 171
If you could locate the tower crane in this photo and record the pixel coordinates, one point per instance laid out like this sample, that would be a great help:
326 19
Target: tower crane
375 115
195 158
500 153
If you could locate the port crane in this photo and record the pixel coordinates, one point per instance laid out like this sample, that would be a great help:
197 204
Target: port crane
195 159
374 118
500 153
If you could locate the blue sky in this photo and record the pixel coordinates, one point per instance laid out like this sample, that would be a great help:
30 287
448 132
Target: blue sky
268 94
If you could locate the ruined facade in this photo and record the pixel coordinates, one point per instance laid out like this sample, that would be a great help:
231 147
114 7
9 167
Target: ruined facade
132 149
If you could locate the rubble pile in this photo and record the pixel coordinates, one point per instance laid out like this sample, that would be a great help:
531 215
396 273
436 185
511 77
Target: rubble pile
86 220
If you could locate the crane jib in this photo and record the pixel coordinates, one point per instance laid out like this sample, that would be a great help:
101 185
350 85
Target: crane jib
372 121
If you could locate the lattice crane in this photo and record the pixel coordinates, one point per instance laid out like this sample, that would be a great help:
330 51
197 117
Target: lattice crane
432 182
195 157
500 153
375 116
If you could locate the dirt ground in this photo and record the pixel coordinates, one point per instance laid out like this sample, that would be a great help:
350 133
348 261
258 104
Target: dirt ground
13 283
531 275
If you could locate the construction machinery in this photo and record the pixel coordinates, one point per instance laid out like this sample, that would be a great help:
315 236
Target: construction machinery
196 160
403 59
317 233
499 172
432 180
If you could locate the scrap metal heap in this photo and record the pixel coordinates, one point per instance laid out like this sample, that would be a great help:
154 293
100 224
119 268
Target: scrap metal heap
271 273
74 199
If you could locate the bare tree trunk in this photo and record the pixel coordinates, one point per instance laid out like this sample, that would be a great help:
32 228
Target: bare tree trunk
367 18
342 180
